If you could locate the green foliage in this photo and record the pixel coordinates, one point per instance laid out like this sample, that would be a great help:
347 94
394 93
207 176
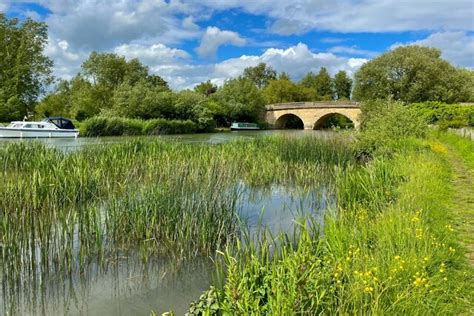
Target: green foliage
242 100
206 88
412 74
115 126
24 69
390 249
142 100
385 123
260 75
445 115
324 85
342 85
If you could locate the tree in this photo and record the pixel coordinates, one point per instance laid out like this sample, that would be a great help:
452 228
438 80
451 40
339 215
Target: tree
342 85
411 74
260 75
57 103
324 84
24 69
242 100
143 100
309 80
206 88
281 90
309 85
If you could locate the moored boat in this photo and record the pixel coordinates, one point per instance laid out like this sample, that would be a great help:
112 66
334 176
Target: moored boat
244 126
51 127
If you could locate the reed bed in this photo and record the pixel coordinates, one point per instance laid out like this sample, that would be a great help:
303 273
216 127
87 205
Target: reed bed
61 212
390 247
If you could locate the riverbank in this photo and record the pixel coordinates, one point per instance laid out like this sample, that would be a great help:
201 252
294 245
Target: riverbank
395 244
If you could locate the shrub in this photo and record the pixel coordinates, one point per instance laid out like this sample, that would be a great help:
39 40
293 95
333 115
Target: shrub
384 123
116 126
445 115
162 126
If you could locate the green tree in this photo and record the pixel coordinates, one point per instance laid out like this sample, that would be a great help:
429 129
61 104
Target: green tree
57 103
143 100
309 85
242 100
411 74
206 88
24 69
261 75
324 84
281 90
342 85
309 80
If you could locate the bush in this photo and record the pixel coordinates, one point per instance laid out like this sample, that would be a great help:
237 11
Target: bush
445 115
116 126
162 126
384 123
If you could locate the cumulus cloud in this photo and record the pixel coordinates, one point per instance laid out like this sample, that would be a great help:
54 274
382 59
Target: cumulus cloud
299 16
213 38
295 60
67 63
102 24
155 54
456 47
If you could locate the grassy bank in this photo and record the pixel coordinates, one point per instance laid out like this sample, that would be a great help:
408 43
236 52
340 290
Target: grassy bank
391 247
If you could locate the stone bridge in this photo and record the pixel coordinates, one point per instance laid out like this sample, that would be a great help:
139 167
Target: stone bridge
312 114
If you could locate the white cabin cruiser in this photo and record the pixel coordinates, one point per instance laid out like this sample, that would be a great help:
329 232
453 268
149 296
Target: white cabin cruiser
51 127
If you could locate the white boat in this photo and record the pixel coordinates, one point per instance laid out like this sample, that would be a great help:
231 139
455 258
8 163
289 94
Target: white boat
244 126
51 127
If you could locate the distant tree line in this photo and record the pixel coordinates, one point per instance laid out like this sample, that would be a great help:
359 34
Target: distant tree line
108 85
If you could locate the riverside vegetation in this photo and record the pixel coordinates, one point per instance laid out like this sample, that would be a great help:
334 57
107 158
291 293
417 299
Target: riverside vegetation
388 243
392 245
63 212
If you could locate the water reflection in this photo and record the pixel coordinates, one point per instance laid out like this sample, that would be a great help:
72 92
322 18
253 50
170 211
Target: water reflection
123 284
68 144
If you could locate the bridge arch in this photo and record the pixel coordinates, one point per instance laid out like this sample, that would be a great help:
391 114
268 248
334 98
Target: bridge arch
289 121
311 113
334 119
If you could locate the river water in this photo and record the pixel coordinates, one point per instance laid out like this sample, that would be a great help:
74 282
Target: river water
127 286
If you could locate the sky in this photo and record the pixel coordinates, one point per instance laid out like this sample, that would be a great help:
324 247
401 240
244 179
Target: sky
187 42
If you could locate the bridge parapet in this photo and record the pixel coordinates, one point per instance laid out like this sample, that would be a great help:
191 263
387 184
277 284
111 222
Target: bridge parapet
312 105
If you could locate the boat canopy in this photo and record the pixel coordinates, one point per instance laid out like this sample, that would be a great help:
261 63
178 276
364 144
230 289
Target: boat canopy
60 122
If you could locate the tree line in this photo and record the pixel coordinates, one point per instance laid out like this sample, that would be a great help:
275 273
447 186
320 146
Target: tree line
112 86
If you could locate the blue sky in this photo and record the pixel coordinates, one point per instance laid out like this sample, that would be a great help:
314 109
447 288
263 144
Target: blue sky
187 42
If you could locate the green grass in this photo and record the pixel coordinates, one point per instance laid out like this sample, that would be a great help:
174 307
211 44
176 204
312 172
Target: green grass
59 211
391 248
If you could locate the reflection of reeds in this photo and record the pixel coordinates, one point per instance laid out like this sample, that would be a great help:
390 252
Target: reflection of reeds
61 212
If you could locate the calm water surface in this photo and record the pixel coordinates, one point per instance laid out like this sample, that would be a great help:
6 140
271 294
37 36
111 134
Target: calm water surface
126 286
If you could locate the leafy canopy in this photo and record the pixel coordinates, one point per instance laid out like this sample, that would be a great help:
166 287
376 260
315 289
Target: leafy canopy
412 74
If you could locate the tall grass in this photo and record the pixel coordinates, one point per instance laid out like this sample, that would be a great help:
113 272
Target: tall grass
60 212
390 248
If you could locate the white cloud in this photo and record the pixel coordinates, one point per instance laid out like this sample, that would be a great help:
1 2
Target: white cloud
101 24
295 60
66 62
352 50
155 54
213 38
299 16
456 47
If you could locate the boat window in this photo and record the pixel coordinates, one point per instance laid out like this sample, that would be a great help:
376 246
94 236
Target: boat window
27 126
